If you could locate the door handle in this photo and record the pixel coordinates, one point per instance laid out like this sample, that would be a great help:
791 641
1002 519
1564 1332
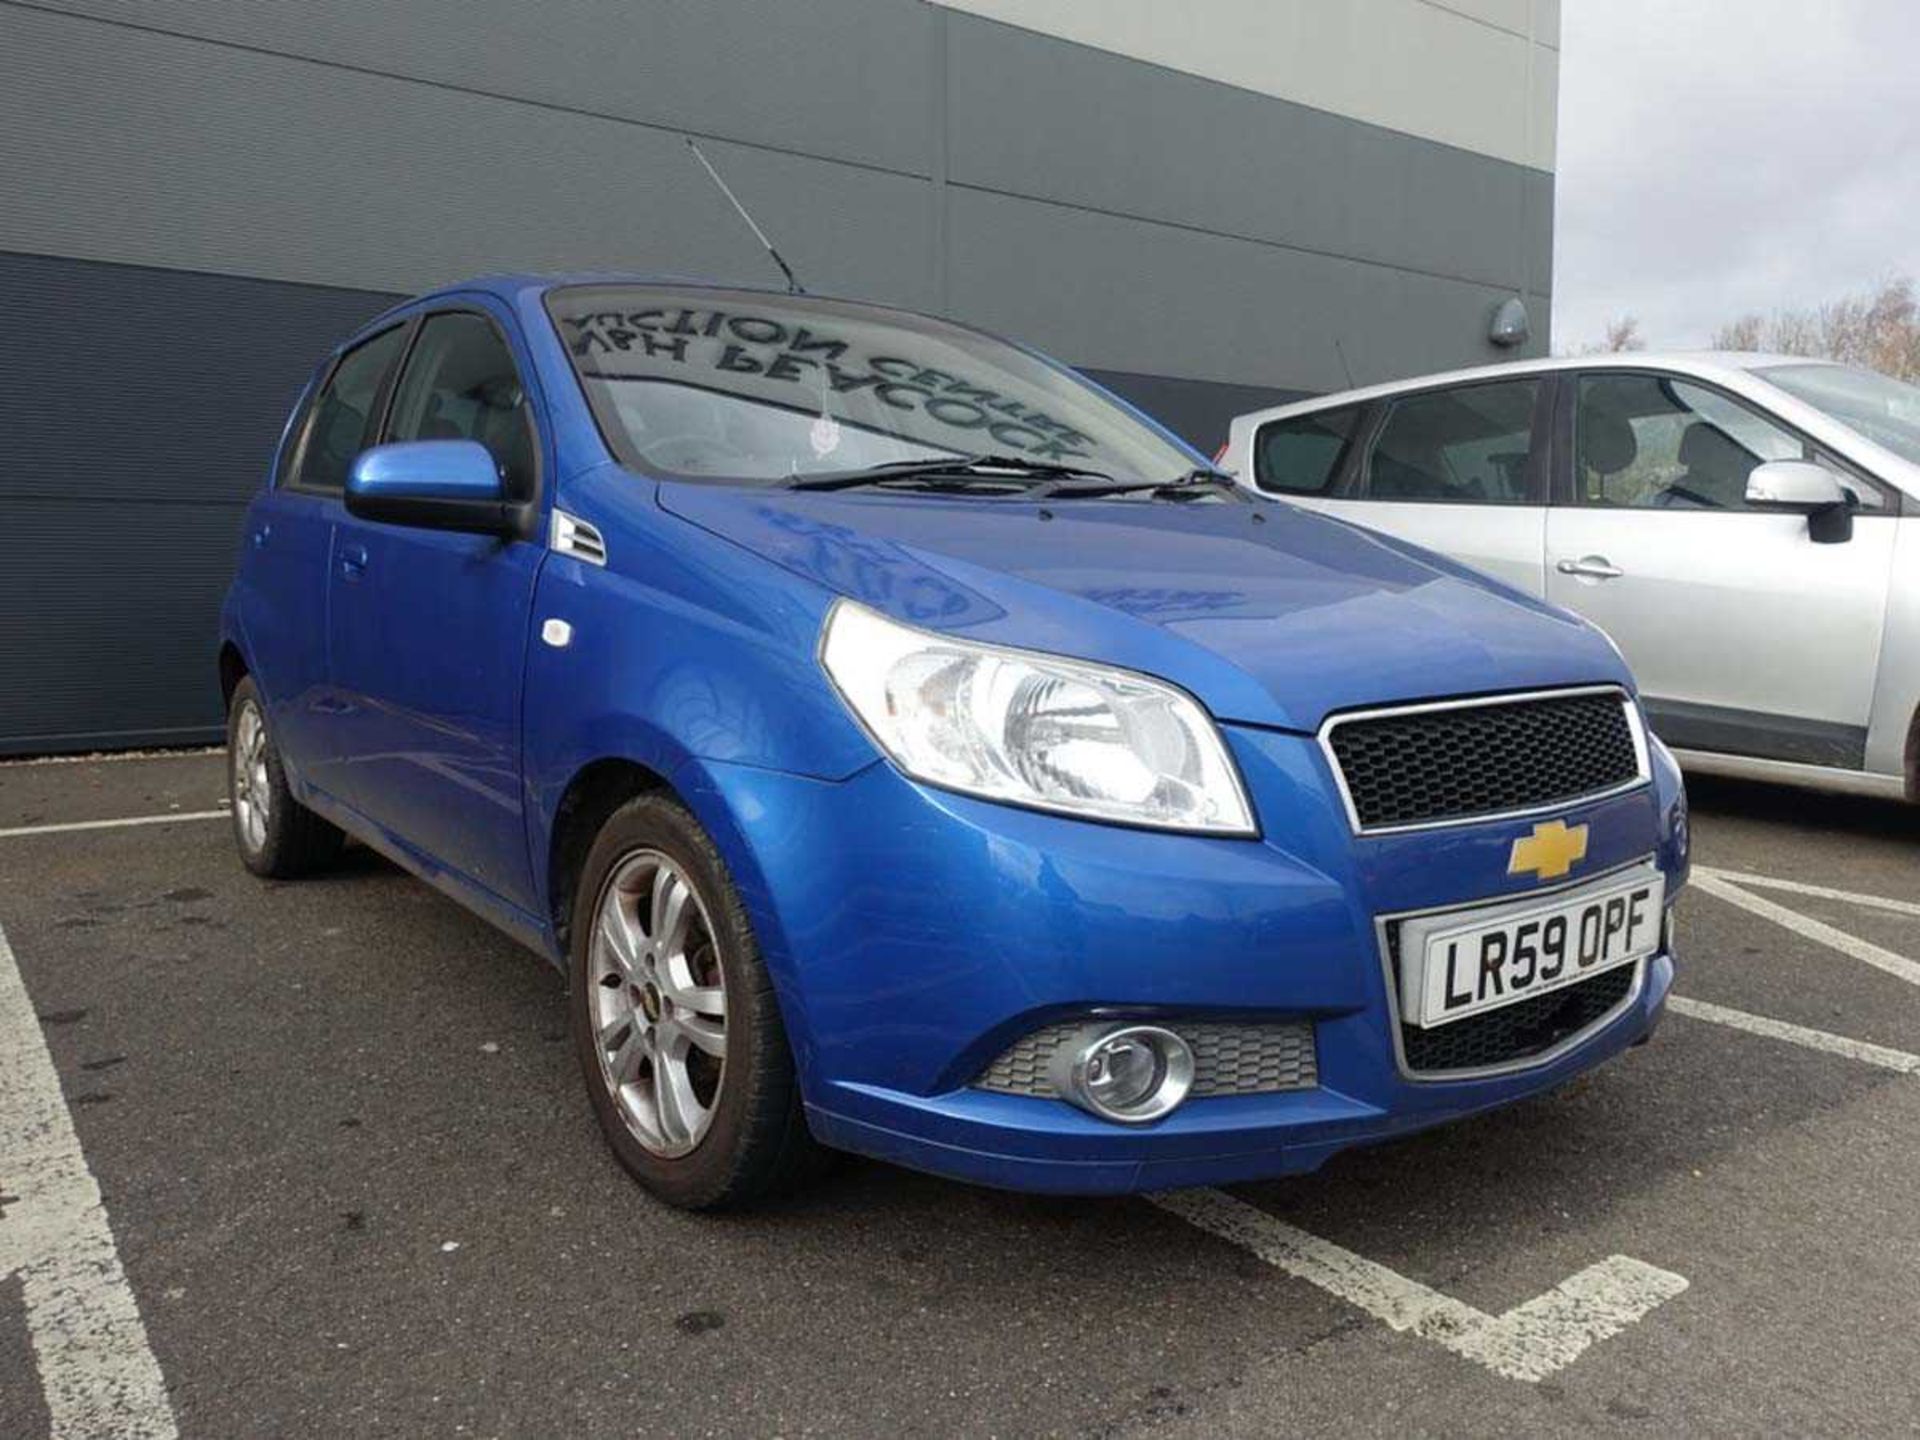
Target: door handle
261 536
1591 567
353 561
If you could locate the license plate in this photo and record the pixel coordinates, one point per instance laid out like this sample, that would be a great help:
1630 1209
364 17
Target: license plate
1466 962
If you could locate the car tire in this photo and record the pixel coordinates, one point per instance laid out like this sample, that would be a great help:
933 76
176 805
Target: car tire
675 1021
279 838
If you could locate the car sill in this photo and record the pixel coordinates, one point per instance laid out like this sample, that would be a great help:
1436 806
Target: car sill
1816 777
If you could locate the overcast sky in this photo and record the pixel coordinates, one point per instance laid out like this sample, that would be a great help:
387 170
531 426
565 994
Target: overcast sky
1724 156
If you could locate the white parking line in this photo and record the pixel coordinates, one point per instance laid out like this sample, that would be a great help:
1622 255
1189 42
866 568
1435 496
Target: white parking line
72 825
1528 1342
1817 892
96 1373
1897 965
1866 1054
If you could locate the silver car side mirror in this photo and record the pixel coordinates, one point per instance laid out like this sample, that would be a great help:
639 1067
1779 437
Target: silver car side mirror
1794 485
1804 488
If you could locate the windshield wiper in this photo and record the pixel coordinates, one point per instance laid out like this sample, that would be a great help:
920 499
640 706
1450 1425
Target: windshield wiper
1201 480
1009 471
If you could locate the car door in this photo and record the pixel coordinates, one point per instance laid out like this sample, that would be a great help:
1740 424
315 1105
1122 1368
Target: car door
428 628
1460 470
1747 636
289 540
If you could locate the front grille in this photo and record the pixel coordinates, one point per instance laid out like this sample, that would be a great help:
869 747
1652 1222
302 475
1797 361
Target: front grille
1513 1033
1484 757
1227 1059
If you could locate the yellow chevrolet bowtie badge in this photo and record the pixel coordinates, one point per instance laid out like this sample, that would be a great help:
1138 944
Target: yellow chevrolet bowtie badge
1552 850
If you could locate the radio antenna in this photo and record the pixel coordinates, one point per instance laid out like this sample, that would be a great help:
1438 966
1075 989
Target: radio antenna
793 286
1341 352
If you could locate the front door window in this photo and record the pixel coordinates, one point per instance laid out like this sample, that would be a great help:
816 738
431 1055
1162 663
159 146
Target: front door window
1654 442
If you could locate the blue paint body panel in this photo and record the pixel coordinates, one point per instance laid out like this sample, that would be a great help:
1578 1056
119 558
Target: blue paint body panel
426 469
912 933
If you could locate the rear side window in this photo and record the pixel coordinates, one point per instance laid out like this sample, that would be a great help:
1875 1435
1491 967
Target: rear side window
1473 446
286 457
340 425
1304 455
461 384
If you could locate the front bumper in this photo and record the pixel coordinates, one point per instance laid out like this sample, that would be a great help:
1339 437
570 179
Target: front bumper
913 935
1046 1145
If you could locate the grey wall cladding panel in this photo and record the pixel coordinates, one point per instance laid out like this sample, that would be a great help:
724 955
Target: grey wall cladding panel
143 407
1166 301
1153 226
1198 411
1540 238
128 146
845 79
108 627
1045 118
128 383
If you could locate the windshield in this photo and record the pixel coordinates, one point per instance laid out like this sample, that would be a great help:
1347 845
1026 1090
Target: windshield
748 387
1886 411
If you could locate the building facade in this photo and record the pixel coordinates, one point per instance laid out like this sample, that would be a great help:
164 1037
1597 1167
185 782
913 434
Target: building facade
1207 206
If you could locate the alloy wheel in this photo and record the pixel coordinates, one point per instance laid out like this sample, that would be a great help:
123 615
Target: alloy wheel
252 791
658 1003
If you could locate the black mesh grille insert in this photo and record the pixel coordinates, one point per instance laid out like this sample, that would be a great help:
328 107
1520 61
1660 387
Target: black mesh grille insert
1513 1032
1483 759
1228 1059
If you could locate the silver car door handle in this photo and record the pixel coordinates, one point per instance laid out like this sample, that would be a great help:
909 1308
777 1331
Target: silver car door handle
1591 567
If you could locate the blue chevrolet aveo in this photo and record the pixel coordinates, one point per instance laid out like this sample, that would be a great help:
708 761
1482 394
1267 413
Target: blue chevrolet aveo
907 748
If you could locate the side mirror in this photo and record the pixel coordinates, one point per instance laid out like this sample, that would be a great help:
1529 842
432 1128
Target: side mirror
433 484
1804 488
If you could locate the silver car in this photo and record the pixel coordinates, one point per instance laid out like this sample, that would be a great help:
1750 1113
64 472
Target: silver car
1745 527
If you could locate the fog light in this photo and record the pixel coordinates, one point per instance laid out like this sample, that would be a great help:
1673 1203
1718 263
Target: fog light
1132 1074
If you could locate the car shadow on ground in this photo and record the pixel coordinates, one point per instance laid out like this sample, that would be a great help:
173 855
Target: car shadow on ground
1724 797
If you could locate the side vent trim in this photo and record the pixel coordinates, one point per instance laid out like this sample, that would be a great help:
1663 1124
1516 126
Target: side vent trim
575 537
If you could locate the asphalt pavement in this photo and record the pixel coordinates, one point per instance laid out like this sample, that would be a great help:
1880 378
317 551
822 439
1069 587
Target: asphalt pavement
353 1187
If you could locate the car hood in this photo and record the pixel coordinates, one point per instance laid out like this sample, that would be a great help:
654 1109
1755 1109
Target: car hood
1270 615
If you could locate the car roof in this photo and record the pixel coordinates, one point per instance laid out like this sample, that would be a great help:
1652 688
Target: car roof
511 286
515 285
1702 364
514 288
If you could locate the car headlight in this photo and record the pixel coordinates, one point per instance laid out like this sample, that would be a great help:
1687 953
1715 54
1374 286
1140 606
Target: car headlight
1033 729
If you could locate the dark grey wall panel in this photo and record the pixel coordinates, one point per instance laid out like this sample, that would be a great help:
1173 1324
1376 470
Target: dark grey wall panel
124 383
845 79
1040 117
142 408
121 144
1120 294
1198 411
108 630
